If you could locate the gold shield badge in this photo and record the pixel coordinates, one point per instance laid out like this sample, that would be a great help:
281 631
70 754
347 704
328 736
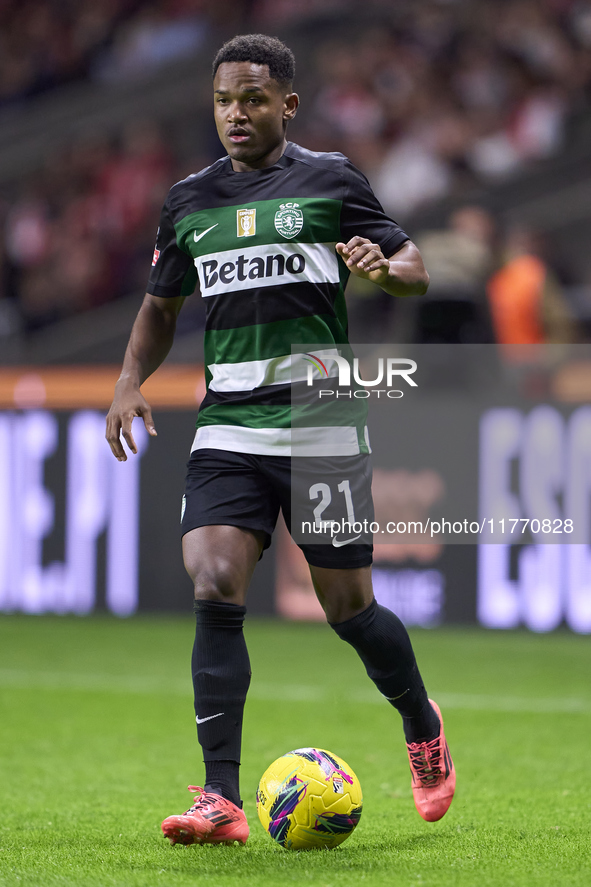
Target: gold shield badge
246 222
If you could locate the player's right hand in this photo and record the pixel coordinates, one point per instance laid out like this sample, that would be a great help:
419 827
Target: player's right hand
127 404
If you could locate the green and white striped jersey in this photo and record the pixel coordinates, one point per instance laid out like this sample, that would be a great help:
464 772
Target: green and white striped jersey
260 246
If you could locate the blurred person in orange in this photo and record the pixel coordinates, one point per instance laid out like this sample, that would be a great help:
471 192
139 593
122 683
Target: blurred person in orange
527 304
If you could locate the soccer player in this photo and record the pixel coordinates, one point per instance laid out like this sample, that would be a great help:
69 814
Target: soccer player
270 234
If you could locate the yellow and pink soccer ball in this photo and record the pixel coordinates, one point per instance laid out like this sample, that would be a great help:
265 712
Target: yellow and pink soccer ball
309 798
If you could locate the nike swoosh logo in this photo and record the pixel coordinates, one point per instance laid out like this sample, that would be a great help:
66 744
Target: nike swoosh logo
197 237
210 718
338 543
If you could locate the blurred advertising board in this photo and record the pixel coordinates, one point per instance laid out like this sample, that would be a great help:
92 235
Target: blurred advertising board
477 470
79 531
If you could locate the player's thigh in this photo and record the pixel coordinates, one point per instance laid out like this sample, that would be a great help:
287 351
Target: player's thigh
229 512
220 561
343 593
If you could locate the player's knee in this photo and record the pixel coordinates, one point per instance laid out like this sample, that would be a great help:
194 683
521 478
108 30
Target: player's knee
343 594
218 585
342 607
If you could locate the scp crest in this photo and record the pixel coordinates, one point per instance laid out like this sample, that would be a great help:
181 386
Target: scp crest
289 220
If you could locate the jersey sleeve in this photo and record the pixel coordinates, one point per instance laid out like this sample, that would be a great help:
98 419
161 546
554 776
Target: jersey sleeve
362 214
173 272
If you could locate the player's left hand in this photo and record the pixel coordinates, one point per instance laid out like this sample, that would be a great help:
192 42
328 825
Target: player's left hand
365 259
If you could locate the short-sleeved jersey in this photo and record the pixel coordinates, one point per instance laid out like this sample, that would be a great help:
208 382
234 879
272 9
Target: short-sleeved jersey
261 247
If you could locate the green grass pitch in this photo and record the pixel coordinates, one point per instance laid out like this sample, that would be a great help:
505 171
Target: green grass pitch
98 744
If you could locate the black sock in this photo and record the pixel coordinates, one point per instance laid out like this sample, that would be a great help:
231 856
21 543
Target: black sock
221 777
221 677
383 644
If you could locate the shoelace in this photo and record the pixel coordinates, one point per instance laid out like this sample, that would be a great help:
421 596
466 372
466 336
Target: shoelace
425 761
203 799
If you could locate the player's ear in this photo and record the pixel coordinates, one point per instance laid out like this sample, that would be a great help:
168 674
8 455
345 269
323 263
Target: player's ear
290 105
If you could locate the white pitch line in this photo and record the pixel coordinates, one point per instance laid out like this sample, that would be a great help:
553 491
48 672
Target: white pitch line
523 705
100 683
274 692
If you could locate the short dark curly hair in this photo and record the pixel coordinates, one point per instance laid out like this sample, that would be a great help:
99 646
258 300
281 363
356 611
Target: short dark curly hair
260 49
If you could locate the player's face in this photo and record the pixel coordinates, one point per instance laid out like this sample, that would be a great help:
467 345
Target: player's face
251 114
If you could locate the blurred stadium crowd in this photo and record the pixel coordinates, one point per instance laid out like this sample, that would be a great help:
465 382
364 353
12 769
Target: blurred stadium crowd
429 98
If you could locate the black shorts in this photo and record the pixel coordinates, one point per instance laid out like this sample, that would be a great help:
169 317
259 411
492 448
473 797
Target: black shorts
248 490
